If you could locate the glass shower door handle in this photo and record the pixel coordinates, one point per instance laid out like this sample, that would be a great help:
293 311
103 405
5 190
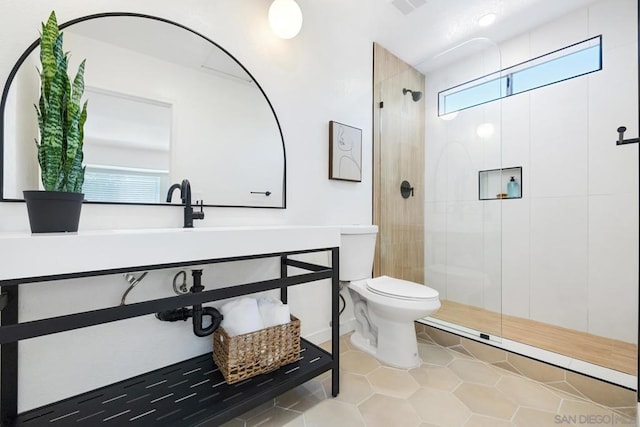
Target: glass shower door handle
621 140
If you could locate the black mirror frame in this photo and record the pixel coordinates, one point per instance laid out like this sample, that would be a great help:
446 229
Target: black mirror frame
35 44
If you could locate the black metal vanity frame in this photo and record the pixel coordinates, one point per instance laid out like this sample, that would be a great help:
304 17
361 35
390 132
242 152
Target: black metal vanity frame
188 393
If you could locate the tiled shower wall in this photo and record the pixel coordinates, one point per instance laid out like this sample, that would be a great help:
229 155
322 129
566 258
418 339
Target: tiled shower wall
398 155
569 247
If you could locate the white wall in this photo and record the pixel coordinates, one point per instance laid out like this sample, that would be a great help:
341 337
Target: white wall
323 74
570 245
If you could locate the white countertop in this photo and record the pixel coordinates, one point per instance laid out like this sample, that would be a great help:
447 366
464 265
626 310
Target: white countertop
33 255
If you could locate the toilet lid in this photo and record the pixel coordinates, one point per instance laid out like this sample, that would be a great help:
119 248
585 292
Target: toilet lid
401 289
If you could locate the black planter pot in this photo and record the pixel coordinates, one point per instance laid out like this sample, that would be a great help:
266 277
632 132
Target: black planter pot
53 211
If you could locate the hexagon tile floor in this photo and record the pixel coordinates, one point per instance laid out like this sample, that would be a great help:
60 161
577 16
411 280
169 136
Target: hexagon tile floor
450 389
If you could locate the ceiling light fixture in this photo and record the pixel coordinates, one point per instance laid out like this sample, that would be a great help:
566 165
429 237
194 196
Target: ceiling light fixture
486 20
285 18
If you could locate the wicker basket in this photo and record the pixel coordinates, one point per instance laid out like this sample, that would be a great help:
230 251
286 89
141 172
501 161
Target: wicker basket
244 356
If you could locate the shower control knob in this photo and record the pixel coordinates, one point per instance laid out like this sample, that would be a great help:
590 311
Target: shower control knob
406 190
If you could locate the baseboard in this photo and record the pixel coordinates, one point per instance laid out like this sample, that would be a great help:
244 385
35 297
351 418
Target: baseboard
324 335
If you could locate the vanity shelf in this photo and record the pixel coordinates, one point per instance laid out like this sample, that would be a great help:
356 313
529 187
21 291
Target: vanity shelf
188 393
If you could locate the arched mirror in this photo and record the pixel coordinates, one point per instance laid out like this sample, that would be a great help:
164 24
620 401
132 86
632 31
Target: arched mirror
165 103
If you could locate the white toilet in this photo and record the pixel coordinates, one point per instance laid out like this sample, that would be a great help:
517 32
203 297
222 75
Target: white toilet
385 308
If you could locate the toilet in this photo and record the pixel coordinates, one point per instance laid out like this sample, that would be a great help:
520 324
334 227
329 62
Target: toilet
384 307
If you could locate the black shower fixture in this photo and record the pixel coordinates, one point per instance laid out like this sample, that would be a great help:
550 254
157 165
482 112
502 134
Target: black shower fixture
415 94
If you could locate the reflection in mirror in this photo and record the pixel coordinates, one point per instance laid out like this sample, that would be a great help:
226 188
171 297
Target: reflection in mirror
130 140
164 104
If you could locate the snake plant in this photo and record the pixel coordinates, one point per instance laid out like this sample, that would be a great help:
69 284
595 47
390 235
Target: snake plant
60 117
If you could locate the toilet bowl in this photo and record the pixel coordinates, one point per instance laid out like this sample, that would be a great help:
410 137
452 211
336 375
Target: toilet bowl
384 307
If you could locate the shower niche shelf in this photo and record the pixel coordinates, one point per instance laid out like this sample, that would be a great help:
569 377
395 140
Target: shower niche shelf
492 183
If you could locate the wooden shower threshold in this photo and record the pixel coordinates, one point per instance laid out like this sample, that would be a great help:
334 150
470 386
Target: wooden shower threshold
618 355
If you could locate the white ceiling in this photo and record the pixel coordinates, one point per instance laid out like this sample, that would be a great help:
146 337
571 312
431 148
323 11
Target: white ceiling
428 28
437 25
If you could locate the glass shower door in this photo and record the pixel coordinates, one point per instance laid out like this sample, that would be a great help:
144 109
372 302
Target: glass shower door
465 186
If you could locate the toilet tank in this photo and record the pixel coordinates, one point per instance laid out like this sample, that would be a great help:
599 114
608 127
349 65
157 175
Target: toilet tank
357 246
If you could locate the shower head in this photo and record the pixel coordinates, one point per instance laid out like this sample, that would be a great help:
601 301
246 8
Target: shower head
415 95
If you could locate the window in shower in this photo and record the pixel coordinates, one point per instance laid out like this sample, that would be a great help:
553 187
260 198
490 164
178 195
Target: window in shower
563 64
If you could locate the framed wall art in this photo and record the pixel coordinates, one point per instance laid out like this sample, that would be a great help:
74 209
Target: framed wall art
345 152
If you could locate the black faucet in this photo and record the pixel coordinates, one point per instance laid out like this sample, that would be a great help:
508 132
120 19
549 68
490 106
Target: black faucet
185 195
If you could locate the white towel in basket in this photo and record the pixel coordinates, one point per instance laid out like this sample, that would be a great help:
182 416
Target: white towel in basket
241 316
273 312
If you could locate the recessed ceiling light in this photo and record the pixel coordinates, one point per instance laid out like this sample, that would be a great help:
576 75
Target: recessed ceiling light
486 20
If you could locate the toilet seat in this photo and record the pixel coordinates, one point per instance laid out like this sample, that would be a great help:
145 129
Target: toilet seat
400 289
